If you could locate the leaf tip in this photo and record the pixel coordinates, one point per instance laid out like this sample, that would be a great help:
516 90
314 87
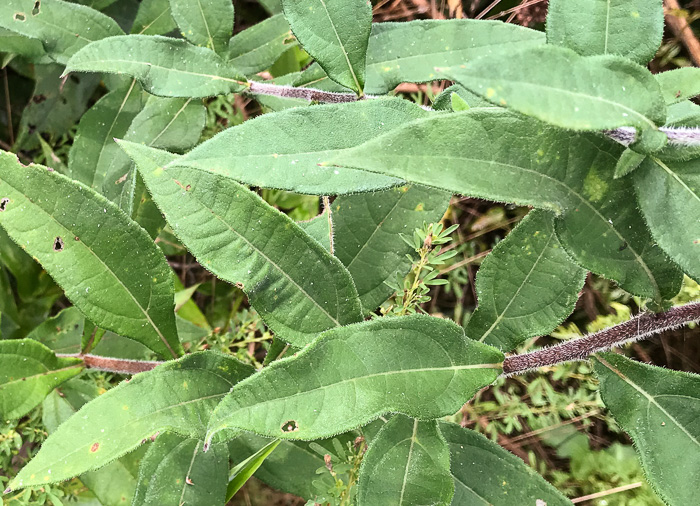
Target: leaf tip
7 490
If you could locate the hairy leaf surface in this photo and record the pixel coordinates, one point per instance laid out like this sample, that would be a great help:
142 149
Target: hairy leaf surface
207 23
408 462
86 244
177 396
660 410
258 47
366 370
295 285
679 84
527 285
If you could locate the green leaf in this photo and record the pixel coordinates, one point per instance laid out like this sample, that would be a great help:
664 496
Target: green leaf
164 66
153 18
94 147
629 160
243 471
320 229
484 473
30 49
629 28
367 230
669 197
497 155
527 285
682 114
367 369
679 84
558 86
62 27
335 33
408 462
207 23
258 47
87 245
177 396
175 470
62 333
296 286
660 410
296 140
28 372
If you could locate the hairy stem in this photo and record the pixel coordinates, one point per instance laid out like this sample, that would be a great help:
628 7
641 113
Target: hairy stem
117 365
640 327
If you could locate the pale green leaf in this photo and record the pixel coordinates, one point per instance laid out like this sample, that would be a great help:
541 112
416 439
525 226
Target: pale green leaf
367 369
243 471
497 155
176 471
94 148
288 158
164 66
335 33
486 474
62 27
407 463
207 23
558 86
30 49
679 84
296 286
153 18
367 230
629 28
669 197
527 285
258 47
660 410
28 372
176 396
87 245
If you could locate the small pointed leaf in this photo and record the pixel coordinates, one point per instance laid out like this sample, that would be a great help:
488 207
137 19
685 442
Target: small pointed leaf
207 23
679 84
629 160
243 471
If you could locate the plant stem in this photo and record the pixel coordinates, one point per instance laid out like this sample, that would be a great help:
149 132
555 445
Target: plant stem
117 365
642 326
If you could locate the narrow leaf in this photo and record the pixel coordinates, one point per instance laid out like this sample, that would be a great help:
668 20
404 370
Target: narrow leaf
497 155
558 86
679 84
177 396
629 28
486 474
660 410
87 245
164 66
669 196
258 47
28 372
289 158
254 245
367 369
207 23
527 285
175 470
408 462
367 230
243 471
62 27
335 33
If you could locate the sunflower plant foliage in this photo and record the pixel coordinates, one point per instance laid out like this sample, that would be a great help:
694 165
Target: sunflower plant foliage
569 122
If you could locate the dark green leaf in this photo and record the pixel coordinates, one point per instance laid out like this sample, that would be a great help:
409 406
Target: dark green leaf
207 23
258 47
243 471
679 84
628 161
153 18
320 228
62 333
30 49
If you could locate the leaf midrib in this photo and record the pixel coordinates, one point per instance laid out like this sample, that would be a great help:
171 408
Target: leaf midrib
342 47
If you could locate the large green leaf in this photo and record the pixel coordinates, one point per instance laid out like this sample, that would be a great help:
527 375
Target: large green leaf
89 246
31 50
679 84
660 410
177 396
497 155
175 471
407 463
28 373
153 18
207 23
164 66
258 47
335 33
669 196
295 285
629 28
486 474
62 27
526 286
367 369
564 89
289 157
94 147
367 230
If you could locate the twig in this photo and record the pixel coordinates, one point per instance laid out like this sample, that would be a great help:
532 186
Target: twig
314 95
8 106
682 30
640 327
117 365
606 492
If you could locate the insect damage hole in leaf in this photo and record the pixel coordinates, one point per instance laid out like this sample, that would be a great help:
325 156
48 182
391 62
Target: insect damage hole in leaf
3 204
290 426
20 16
58 244
37 8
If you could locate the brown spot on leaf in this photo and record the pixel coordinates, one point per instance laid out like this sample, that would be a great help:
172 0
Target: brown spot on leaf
94 447
37 99
3 204
58 244
154 436
76 238
290 426
188 481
